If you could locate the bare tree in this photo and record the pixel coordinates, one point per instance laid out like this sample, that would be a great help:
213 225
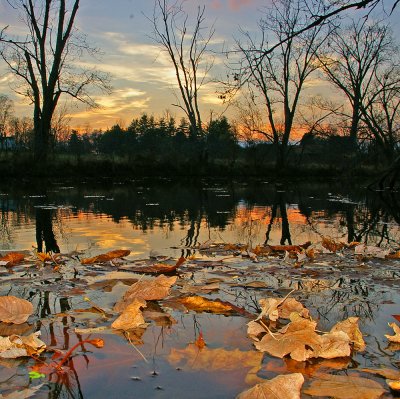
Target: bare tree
6 112
277 79
351 61
46 62
381 110
187 51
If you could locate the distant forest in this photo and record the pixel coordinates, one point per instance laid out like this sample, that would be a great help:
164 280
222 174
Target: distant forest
353 128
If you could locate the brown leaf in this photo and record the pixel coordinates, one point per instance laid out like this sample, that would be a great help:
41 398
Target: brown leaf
158 268
390 374
160 318
396 337
43 257
331 245
14 310
119 253
214 359
298 339
274 308
131 317
290 248
350 327
149 290
200 343
16 346
345 387
334 344
12 258
281 387
200 304
396 316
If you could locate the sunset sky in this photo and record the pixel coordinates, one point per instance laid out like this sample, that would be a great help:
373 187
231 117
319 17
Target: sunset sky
142 77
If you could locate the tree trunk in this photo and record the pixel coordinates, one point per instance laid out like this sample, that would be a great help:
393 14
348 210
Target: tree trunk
42 134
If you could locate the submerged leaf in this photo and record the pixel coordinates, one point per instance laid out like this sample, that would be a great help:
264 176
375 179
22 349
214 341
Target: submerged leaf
345 387
119 253
14 310
281 387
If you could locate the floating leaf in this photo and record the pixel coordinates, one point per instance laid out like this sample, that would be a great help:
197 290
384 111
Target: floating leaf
149 290
14 310
281 387
43 257
390 374
200 343
350 327
331 245
12 258
200 304
345 387
274 308
16 346
131 317
298 340
290 248
119 253
158 268
396 337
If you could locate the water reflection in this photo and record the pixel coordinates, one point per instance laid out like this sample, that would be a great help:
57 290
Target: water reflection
254 212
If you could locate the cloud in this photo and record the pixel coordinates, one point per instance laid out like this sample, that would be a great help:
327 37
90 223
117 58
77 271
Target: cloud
236 5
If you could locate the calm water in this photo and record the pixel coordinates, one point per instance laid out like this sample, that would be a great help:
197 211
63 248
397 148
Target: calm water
172 218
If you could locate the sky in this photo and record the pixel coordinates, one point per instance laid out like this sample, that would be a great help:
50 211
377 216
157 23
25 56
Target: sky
141 74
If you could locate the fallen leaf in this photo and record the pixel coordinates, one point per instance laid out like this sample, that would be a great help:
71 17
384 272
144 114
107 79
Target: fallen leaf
149 290
195 289
214 359
290 248
21 346
131 317
331 245
396 316
14 310
350 327
286 386
274 308
158 268
200 343
390 374
371 251
43 257
345 387
393 385
200 304
160 318
396 337
119 253
12 258
22 394
298 340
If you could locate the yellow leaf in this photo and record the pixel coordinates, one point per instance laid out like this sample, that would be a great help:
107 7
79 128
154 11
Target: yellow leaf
43 257
200 304
119 253
281 387
396 337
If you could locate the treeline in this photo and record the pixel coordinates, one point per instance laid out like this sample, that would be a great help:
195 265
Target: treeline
163 146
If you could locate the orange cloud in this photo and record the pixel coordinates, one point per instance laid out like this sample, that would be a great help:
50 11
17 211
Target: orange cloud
236 5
